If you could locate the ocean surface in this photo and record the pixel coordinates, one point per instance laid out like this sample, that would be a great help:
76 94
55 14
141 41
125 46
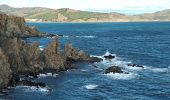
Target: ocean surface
144 43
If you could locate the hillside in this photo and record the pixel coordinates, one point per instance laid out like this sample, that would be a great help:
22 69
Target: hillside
70 15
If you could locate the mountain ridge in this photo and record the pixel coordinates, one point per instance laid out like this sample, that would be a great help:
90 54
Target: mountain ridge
42 14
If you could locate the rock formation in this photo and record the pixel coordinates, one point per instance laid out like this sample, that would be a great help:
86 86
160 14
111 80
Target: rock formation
113 69
18 58
5 71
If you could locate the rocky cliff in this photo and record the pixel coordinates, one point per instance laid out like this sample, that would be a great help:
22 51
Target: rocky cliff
19 58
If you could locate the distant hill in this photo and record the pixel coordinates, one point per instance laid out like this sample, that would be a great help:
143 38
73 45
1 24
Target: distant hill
70 15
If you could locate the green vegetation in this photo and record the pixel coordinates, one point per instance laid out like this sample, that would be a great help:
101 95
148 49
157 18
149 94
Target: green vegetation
68 15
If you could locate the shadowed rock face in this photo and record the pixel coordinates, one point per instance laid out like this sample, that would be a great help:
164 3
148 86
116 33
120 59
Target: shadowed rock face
15 55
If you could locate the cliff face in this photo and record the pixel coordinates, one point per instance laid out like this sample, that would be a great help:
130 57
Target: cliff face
5 71
13 26
18 57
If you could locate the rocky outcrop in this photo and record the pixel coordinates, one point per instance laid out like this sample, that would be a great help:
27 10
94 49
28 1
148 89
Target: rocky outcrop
16 56
53 57
5 71
113 69
13 26
75 54
19 58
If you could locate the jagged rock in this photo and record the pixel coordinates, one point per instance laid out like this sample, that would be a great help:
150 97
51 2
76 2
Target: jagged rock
75 54
5 71
135 65
18 58
22 57
13 26
113 69
53 58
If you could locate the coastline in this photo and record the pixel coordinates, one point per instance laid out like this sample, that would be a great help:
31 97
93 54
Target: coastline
98 22
18 58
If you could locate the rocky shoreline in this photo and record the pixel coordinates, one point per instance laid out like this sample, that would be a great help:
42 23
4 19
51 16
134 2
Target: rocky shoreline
19 58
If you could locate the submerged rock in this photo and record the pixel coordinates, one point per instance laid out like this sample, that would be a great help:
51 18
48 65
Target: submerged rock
113 69
109 56
31 83
95 59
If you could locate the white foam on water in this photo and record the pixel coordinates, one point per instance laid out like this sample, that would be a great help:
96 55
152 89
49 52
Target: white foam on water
41 48
90 36
65 36
33 89
157 70
84 70
129 68
121 76
117 61
47 75
91 86
54 75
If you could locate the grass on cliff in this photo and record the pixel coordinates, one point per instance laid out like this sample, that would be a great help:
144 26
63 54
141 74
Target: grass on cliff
84 15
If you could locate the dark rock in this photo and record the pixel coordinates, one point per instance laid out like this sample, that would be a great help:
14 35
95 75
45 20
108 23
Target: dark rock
113 69
4 92
135 65
95 59
30 83
14 80
60 35
109 57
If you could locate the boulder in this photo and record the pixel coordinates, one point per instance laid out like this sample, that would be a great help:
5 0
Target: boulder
113 69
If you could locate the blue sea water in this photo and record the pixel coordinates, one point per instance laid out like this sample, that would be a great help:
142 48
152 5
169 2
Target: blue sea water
144 43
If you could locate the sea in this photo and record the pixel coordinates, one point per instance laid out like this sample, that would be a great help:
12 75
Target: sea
143 43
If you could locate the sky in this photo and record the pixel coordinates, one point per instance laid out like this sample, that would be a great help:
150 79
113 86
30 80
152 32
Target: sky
121 6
